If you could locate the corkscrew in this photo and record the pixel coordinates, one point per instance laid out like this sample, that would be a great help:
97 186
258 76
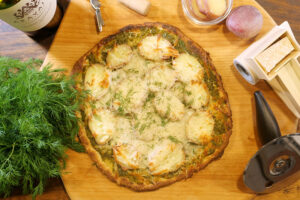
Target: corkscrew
96 5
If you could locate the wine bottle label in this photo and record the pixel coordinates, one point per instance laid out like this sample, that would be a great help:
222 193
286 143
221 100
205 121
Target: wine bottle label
29 15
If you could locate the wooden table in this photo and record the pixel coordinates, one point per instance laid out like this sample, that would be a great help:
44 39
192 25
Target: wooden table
18 45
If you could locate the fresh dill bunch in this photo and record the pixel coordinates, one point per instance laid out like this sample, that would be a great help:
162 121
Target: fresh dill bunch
37 124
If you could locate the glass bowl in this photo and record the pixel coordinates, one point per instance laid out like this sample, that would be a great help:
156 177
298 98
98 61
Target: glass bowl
189 11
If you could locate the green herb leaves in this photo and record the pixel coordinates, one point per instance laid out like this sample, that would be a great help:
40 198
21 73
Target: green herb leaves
173 139
37 122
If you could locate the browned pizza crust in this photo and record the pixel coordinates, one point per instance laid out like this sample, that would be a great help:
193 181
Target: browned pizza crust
195 49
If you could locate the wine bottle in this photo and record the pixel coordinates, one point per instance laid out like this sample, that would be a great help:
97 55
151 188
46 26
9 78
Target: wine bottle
31 16
6 3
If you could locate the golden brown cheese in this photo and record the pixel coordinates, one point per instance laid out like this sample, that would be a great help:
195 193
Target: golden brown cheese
127 156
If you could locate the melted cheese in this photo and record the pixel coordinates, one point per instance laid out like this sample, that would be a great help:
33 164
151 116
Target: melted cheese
187 68
117 77
165 157
130 96
99 104
136 67
199 128
156 48
147 124
161 78
123 125
167 105
119 56
130 153
97 80
177 129
127 156
196 95
105 102
102 126
178 90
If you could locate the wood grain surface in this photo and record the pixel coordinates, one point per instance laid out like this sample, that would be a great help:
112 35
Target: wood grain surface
84 181
14 43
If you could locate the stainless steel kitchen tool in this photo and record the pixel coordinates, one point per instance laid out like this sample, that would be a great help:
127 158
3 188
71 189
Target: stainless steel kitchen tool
277 163
96 5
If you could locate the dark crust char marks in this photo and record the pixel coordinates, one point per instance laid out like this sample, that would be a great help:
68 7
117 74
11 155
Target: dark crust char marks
195 49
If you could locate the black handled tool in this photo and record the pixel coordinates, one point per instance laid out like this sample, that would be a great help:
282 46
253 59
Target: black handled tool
277 163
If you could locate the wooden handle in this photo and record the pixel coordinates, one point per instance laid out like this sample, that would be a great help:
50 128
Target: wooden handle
289 79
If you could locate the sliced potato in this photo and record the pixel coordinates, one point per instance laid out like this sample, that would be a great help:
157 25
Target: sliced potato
126 156
196 95
188 68
161 78
169 106
119 56
165 157
199 128
178 90
130 96
97 80
156 48
136 66
216 7
102 126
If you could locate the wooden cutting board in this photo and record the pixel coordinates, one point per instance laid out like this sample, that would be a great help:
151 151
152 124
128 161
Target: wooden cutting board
222 178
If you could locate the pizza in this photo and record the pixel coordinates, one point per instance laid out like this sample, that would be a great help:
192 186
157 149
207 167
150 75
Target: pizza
155 111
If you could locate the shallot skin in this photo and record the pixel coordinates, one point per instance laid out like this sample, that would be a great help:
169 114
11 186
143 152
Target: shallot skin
245 21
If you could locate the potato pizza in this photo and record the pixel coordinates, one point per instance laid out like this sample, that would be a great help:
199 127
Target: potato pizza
156 111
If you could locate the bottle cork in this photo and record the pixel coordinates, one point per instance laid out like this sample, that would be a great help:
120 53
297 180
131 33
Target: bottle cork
140 6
